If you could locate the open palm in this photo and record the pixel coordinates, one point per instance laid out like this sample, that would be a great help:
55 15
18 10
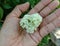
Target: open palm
11 33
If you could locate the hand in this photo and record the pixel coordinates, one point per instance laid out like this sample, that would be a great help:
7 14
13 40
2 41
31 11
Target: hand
12 35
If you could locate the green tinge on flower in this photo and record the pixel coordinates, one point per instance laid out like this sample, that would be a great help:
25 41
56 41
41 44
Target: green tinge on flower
30 22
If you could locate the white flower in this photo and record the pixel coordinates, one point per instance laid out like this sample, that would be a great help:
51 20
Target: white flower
31 22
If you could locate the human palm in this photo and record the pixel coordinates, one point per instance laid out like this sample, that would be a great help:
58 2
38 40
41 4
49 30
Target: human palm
12 34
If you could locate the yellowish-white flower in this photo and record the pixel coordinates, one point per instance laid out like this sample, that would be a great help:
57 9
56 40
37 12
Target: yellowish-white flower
30 22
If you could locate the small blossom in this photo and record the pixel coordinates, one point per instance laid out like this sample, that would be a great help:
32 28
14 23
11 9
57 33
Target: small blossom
30 22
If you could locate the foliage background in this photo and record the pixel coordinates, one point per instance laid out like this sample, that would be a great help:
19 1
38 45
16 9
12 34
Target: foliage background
6 7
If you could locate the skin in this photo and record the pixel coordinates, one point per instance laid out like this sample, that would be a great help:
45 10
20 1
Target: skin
11 33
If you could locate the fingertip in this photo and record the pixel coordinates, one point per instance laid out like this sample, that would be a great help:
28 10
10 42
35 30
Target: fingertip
24 6
27 3
19 9
57 2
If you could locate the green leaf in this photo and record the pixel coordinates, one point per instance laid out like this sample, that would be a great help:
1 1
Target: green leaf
18 1
44 41
1 13
6 6
58 6
14 2
0 25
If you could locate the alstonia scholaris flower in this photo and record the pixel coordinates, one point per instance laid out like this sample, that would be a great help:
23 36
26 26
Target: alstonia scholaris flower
30 22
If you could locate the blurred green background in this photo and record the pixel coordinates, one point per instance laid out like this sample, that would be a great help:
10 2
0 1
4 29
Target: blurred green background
6 7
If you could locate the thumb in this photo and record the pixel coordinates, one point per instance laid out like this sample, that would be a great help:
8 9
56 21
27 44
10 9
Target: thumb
11 25
19 9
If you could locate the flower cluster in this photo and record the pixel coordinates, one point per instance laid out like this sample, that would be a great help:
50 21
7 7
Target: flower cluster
30 22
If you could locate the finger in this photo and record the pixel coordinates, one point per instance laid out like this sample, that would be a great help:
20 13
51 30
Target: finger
51 17
49 8
50 27
19 9
35 36
11 26
40 6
